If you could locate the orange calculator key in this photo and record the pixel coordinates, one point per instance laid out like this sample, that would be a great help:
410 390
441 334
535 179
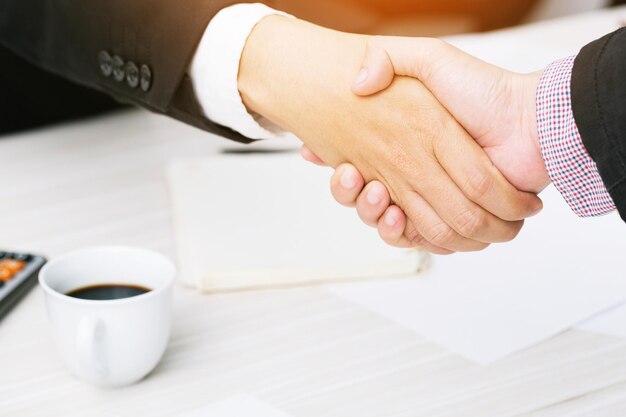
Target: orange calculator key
12 265
5 274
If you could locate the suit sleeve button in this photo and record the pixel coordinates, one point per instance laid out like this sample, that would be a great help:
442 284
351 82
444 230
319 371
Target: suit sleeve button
132 74
104 61
118 68
145 77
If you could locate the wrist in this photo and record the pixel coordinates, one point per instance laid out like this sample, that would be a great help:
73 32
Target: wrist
531 82
289 66
530 85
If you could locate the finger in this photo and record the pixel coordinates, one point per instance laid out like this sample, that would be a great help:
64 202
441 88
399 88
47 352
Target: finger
346 184
372 203
458 213
393 229
480 181
376 73
308 155
431 228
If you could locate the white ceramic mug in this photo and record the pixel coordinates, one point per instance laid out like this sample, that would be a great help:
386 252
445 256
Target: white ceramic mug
110 342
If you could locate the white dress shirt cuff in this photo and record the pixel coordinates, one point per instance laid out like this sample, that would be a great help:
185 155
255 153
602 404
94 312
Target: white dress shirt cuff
215 67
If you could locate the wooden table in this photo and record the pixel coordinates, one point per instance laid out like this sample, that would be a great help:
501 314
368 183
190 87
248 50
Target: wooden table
302 350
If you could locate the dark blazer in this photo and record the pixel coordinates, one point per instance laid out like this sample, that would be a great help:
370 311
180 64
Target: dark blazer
599 106
136 51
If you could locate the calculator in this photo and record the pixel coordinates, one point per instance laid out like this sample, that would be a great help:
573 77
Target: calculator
18 274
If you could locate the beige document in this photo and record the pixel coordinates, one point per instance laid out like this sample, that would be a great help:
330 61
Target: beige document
265 220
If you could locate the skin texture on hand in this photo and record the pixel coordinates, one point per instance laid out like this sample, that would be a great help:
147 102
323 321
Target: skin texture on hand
298 75
497 107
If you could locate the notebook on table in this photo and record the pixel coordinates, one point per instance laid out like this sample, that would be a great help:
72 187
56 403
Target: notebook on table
249 221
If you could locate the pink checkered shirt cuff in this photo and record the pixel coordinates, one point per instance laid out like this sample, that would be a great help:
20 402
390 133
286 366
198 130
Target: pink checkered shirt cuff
569 165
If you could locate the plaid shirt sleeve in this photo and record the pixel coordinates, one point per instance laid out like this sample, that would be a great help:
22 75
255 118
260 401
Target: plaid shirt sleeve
570 167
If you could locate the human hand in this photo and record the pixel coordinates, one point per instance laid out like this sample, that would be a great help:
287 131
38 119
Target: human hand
297 74
497 107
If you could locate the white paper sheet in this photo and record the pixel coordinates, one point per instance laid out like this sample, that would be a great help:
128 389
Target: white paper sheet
242 405
256 221
611 322
484 306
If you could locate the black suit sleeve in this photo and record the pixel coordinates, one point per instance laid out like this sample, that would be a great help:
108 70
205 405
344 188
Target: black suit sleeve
599 106
29 97
69 38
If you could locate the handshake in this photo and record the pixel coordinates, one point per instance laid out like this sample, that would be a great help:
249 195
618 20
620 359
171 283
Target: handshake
435 148
475 161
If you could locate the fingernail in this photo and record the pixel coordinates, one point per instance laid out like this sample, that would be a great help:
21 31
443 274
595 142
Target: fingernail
361 76
374 196
347 180
390 219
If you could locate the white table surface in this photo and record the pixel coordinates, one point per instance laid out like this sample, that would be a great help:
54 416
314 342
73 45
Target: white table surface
302 350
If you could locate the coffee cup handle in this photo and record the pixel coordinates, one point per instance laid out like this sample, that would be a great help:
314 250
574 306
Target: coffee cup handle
90 348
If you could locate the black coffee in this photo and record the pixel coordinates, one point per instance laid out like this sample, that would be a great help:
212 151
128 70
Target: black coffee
107 291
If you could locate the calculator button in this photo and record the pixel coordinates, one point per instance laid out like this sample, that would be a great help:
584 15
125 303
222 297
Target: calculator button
6 274
22 257
12 265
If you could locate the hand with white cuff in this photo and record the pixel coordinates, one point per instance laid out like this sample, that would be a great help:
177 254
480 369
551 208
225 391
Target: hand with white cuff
495 106
297 75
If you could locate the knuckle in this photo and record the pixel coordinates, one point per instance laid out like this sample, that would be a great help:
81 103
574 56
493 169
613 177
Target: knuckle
478 185
415 238
513 230
441 235
471 222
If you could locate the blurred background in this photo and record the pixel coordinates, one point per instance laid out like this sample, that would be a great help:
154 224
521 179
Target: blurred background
24 107
432 18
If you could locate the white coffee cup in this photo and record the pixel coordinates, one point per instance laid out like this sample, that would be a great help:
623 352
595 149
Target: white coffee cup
116 342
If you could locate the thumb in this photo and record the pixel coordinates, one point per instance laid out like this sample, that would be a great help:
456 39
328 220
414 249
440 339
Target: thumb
387 56
376 72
